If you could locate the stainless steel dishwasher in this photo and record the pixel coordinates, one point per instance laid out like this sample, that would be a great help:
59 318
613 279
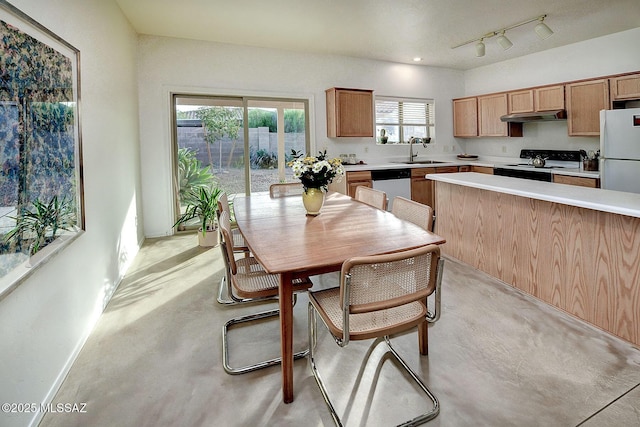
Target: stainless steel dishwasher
394 182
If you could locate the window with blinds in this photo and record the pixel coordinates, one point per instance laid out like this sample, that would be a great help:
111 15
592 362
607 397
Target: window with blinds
403 118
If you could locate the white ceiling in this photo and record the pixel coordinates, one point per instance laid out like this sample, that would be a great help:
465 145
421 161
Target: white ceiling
389 30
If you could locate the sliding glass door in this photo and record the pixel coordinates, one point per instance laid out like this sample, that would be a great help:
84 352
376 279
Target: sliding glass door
240 144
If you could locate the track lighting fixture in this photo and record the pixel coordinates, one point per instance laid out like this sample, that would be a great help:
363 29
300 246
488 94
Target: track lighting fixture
480 48
541 29
503 41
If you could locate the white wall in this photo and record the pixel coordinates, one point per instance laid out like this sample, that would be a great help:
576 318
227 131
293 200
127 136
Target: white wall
178 65
45 321
612 54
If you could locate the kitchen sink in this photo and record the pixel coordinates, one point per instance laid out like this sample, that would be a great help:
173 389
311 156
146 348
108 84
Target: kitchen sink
421 162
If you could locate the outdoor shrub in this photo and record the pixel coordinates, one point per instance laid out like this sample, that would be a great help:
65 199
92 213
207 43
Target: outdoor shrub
262 159
191 174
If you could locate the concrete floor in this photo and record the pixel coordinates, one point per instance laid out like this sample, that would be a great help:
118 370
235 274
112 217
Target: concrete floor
497 358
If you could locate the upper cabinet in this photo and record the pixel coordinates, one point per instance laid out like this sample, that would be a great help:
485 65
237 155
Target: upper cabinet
465 117
480 116
584 102
350 113
520 101
548 98
490 109
625 87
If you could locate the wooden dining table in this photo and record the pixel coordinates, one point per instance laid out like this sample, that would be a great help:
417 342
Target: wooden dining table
288 242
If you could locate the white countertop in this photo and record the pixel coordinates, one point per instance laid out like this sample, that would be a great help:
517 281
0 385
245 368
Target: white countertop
616 202
460 162
405 165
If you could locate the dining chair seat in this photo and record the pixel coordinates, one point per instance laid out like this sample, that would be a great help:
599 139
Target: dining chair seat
367 325
251 281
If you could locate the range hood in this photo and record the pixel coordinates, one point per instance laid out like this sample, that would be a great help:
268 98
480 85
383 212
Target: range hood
542 116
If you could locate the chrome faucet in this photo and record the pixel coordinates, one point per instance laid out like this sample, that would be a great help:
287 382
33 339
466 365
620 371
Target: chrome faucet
411 155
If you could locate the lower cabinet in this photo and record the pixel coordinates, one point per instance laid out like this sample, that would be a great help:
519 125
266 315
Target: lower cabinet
422 189
482 169
351 181
577 180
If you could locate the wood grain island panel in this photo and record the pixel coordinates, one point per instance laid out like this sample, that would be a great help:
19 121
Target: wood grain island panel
580 260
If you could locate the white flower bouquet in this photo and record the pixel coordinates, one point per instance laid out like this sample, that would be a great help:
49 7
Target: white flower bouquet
316 172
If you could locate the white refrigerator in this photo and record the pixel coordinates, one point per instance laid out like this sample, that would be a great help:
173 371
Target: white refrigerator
620 150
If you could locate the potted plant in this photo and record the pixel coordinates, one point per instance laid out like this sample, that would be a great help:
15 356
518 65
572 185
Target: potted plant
41 226
202 203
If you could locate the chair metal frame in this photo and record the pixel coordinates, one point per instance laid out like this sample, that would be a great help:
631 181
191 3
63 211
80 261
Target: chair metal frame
255 272
435 282
225 293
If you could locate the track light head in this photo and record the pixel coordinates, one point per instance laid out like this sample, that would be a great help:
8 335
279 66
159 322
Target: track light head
542 30
480 49
503 41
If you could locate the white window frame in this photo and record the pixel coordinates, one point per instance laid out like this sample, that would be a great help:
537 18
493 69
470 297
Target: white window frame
400 124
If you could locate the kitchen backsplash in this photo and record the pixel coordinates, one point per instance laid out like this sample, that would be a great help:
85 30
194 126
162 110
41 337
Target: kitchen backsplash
367 150
541 135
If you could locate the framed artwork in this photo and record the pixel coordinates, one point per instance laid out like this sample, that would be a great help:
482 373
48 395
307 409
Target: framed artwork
41 187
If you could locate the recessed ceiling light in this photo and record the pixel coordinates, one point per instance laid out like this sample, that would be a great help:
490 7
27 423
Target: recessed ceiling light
417 59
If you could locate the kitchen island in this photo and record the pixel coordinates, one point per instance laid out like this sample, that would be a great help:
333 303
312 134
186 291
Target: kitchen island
575 248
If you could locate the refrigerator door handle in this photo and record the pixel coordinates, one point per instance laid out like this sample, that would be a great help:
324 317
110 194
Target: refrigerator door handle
603 132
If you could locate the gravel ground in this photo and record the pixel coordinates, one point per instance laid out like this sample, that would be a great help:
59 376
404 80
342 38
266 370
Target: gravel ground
232 180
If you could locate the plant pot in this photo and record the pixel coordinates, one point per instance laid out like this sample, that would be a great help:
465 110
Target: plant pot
209 238
49 246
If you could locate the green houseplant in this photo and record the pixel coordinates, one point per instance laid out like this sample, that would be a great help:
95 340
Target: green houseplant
202 203
191 173
40 226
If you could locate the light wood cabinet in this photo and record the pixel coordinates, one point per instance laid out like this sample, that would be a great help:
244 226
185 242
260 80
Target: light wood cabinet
584 102
350 113
465 117
581 181
548 98
625 87
352 180
477 169
422 189
482 169
480 116
490 109
520 101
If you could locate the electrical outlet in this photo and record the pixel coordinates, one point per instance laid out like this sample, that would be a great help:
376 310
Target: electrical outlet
366 149
504 148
